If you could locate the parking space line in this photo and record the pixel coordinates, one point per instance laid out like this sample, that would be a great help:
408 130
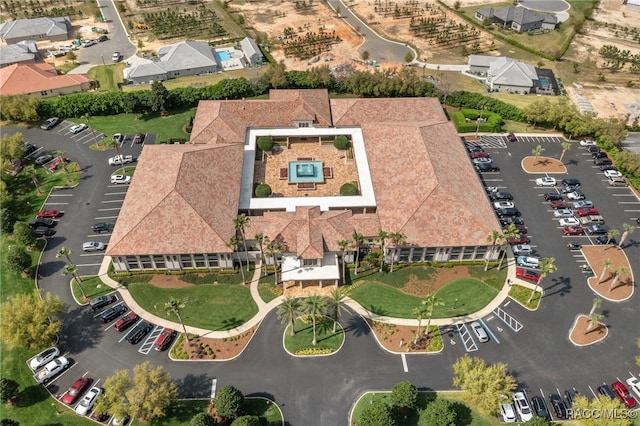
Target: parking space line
404 363
111 201
53 194
489 331
55 204
508 319
594 394
97 235
130 330
464 331
91 254
113 208
214 384
106 217
146 347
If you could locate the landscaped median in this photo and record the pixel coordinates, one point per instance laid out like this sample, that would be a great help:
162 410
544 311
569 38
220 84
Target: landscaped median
301 343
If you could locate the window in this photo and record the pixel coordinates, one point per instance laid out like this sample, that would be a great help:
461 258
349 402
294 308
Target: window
213 260
200 261
132 263
467 254
429 254
145 261
404 254
416 255
159 261
186 261
309 262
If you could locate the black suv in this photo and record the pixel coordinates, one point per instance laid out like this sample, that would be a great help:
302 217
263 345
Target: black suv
558 406
570 182
41 221
51 123
487 167
500 196
553 196
607 391
101 301
505 221
43 231
596 229
113 313
102 227
138 332
508 212
29 149
570 394
540 407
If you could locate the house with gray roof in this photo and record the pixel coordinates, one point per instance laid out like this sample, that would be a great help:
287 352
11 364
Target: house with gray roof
251 52
517 18
22 52
177 60
508 75
53 29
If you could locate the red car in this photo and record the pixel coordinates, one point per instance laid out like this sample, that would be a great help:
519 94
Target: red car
126 321
164 339
56 162
587 211
49 213
76 389
528 274
573 230
623 393
522 239
559 204
480 154
521 228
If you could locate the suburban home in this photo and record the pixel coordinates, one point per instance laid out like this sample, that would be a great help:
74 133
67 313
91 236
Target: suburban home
251 52
412 173
22 52
179 59
53 29
517 18
40 80
508 75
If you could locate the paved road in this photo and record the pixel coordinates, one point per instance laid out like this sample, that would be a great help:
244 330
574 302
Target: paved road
320 391
545 5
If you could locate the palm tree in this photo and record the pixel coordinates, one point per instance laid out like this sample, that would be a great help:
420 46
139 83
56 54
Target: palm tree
621 270
336 302
596 304
612 234
60 156
493 238
288 310
593 320
358 240
113 143
73 270
242 222
66 253
432 301
175 306
314 305
343 245
31 171
547 266
628 230
262 240
420 312
397 239
234 244
273 249
607 264
382 236
509 232
537 151
566 146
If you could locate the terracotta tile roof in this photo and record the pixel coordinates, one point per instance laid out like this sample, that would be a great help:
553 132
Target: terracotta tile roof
182 199
30 78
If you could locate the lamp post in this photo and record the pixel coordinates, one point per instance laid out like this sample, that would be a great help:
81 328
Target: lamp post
103 64
479 120
53 404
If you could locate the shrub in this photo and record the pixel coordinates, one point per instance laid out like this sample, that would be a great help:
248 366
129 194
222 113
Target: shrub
439 412
18 260
246 421
341 142
8 389
314 351
228 402
202 419
7 220
377 414
404 395
23 234
348 189
263 190
265 143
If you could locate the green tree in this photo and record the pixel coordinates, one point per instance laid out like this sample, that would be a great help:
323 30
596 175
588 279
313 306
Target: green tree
382 237
336 302
397 239
152 393
405 395
341 142
628 230
566 146
348 189
408 57
18 260
31 171
482 384
262 239
114 400
365 55
376 414
8 217
9 422
597 302
71 55
265 143
174 307
202 419
72 270
234 244
607 264
8 389
288 311
433 301
617 273
242 223
600 404
314 306
509 232
228 402
537 152
358 240
65 252
37 325
612 234
420 312
594 318
23 234
547 266
247 421
494 239
263 190
439 412
11 146
344 245
273 249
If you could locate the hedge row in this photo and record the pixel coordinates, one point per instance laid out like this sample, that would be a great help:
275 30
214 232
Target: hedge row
459 118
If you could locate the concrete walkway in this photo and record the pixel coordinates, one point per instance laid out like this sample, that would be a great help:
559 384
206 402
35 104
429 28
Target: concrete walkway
265 308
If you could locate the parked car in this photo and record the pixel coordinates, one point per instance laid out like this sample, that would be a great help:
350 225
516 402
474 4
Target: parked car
487 167
582 204
57 161
164 339
570 182
563 213
540 407
612 173
508 413
500 196
503 205
89 43
508 212
113 313
479 154
587 211
552 196
116 57
93 246
522 406
573 230
118 137
528 274
546 181
43 231
604 239
75 390
77 128
569 221
558 406
29 149
559 204
617 181
512 138
505 221
51 369
472 147
576 195
138 138
43 159
51 123
102 301
570 394
521 228
126 321
528 262
86 404
596 229
599 154
482 160
40 221
49 214
634 384
602 161
587 142
623 393
605 167
607 391
102 38
522 239
139 331
43 358
102 227
522 249
120 179
479 331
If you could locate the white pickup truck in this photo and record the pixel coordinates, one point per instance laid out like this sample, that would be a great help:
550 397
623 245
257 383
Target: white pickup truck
119 160
51 370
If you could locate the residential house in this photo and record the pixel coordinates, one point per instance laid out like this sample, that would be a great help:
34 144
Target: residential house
508 75
40 80
21 52
517 18
53 29
251 52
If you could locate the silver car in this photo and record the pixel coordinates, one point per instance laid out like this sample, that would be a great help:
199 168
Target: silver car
479 331
522 249
43 358
93 246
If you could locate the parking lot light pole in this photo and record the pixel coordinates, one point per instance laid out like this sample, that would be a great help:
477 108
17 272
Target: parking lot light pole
53 404
103 64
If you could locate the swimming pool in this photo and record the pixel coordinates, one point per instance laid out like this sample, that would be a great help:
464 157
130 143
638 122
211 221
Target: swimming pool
222 55
305 171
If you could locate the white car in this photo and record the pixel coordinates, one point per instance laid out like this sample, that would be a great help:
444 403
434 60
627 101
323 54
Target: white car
546 181
43 358
569 221
575 195
89 398
563 213
479 331
120 179
93 246
522 406
582 204
77 128
612 173
634 385
89 43
587 142
508 413
503 205
482 160
522 249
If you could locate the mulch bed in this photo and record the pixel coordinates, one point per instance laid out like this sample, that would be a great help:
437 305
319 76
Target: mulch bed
596 256
542 165
581 337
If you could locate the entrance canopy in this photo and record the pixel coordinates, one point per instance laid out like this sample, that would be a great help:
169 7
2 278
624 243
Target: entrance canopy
294 270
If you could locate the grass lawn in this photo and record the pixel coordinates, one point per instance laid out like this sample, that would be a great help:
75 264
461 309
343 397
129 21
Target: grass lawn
182 412
522 294
107 76
303 339
92 286
200 80
164 127
268 292
215 307
265 409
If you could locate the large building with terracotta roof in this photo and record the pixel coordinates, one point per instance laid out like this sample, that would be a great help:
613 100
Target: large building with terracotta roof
406 160
40 80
